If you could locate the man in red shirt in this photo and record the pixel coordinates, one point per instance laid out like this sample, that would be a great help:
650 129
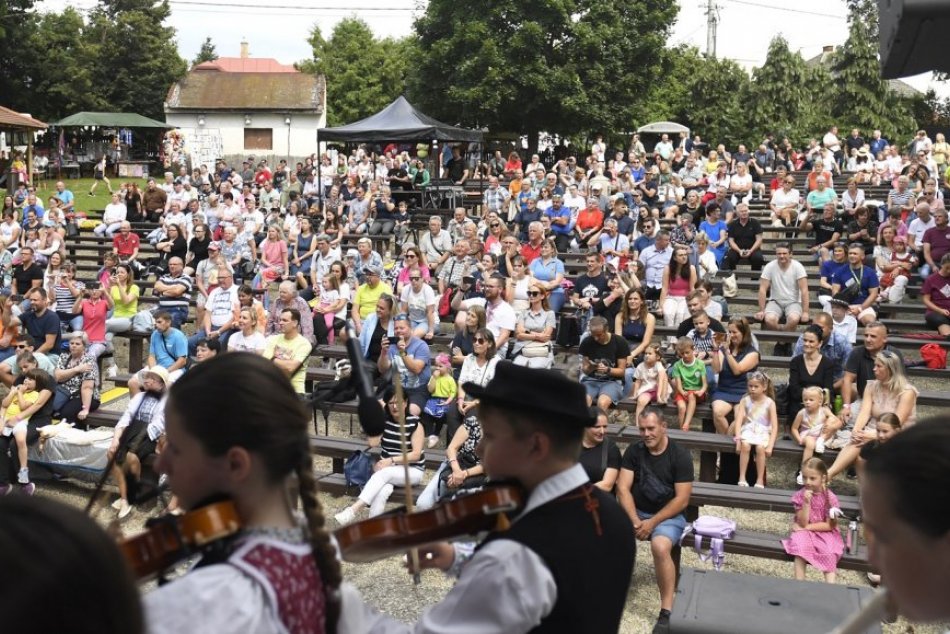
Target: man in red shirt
532 248
125 245
263 174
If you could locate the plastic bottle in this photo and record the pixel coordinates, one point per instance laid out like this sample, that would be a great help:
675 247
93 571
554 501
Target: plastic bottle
838 404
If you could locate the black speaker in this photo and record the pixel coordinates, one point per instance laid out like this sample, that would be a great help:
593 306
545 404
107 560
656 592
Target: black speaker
912 36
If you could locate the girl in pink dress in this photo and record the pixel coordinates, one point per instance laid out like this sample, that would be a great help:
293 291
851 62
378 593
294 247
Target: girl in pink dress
815 538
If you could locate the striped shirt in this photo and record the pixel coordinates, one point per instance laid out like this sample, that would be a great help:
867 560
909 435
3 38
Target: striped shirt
391 444
181 301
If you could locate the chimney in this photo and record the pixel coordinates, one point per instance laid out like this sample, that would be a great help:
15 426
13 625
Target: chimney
824 49
245 52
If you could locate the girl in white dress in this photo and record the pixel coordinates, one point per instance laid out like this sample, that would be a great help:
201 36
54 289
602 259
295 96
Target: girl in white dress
756 426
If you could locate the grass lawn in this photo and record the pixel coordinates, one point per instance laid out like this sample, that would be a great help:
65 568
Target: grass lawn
80 189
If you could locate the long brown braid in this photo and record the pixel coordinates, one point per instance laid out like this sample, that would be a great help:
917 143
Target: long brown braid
240 399
324 554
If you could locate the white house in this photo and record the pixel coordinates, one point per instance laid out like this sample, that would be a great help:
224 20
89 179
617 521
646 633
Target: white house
234 107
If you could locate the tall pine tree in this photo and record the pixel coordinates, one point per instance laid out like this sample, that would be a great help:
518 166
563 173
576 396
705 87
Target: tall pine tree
207 52
788 98
862 98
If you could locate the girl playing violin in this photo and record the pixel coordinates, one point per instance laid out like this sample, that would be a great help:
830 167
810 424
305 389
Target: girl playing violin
278 574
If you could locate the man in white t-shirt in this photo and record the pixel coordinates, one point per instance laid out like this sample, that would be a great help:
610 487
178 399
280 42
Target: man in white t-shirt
918 227
500 317
833 144
783 291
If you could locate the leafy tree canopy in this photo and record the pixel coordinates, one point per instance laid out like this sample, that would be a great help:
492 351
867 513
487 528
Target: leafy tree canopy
363 73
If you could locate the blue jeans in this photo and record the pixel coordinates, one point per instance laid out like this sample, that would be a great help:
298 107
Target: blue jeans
178 313
557 301
202 334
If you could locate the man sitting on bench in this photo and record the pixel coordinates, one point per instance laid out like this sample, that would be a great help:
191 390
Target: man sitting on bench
655 482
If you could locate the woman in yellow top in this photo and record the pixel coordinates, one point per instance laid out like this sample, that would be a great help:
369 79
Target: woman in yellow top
941 152
125 297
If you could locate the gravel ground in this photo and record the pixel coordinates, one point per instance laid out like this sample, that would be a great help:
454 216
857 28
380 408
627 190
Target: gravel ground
386 585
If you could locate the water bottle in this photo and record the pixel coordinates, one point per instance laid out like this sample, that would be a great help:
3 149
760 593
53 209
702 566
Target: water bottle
838 404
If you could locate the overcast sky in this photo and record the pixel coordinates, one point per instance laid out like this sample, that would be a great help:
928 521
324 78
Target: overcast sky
745 26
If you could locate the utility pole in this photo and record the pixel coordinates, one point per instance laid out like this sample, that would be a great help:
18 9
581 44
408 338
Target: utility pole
712 20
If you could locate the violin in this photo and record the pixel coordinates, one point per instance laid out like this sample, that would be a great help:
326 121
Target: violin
395 532
169 539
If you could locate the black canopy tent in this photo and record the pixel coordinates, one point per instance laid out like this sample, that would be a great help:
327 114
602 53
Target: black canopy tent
399 121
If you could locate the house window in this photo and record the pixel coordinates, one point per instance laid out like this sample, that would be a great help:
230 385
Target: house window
258 139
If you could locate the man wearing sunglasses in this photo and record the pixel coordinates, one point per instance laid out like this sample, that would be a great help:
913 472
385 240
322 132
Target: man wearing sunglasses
12 366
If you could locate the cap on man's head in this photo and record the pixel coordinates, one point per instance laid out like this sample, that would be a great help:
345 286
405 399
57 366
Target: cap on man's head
372 269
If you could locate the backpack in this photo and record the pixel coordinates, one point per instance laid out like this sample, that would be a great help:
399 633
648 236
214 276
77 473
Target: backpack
718 530
934 356
358 468
143 322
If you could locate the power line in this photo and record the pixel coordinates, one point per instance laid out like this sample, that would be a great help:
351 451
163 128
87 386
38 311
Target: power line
285 6
790 10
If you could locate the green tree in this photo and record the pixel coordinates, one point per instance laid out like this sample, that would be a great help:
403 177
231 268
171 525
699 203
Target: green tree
16 18
708 95
207 52
786 94
363 73
862 98
134 57
62 69
562 66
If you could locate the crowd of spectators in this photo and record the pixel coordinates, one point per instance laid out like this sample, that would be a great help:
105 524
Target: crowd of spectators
277 260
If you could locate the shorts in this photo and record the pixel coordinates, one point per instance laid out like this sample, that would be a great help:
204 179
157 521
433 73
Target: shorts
596 387
417 396
867 312
20 426
772 307
672 528
421 323
681 398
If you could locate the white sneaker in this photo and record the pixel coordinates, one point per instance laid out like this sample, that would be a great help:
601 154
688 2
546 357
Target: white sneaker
799 479
820 445
23 476
433 441
743 483
117 504
344 517
112 371
124 509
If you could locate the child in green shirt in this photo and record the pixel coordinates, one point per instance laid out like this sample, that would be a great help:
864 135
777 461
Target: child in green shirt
689 381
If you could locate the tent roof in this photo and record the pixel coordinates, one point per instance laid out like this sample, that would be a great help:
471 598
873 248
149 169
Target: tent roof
662 127
12 119
111 119
399 121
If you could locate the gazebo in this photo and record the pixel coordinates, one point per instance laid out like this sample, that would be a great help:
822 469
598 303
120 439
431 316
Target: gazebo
17 122
117 120
399 121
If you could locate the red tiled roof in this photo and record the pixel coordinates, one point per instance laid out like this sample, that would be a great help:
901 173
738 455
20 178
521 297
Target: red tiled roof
246 65
11 118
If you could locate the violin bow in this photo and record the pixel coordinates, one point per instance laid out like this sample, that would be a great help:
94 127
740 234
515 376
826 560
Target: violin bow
404 448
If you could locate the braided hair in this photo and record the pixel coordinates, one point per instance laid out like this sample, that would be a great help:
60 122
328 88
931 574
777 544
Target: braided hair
268 421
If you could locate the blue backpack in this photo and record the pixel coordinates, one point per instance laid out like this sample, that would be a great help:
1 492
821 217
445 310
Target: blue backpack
358 468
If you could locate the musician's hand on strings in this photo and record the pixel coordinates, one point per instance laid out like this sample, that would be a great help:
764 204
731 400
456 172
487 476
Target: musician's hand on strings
438 555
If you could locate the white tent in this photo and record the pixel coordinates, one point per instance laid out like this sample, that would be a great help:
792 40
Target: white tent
662 127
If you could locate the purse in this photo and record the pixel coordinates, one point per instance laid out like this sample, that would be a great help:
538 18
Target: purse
533 349
358 468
